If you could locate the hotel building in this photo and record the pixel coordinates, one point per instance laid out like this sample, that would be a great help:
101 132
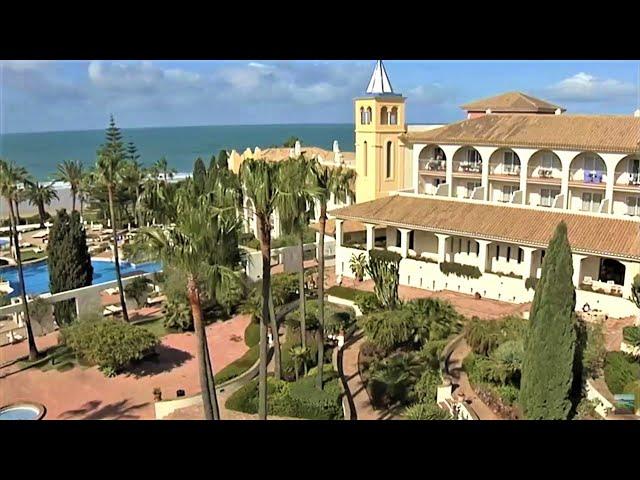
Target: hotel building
488 192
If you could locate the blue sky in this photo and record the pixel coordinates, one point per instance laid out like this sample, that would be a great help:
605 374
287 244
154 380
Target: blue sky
78 95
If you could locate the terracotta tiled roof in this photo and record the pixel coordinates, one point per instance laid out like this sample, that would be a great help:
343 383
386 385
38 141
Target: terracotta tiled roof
603 133
591 234
515 102
347 227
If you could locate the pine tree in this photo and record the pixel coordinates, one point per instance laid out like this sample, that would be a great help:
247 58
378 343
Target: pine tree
132 153
547 370
69 261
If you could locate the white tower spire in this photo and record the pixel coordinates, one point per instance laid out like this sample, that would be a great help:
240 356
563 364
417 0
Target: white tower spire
379 83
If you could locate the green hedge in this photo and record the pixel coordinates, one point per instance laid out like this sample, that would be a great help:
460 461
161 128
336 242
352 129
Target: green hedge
620 370
531 283
384 255
426 411
252 334
299 399
420 258
343 292
240 366
465 271
111 344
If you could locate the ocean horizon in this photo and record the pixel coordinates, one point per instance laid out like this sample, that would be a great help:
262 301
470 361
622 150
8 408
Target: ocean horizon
41 152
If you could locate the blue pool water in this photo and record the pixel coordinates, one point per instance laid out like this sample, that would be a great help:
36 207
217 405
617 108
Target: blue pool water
20 413
36 275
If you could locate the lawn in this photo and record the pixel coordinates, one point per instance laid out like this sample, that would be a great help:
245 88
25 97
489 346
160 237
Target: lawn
28 255
155 326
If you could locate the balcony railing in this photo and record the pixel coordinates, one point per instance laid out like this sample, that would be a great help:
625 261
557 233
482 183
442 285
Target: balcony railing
433 165
470 167
634 178
507 170
588 176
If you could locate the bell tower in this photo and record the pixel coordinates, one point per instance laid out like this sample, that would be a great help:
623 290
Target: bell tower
379 121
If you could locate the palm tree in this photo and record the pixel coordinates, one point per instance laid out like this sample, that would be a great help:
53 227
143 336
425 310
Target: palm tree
108 169
260 181
71 172
328 181
162 167
193 246
10 176
40 195
295 204
299 355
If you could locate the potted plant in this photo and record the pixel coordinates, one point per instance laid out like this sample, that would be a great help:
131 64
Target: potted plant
157 394
357 265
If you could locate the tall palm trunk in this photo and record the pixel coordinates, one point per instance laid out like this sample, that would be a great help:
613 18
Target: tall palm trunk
73 200
210 409
320 331
33 350
125 314
41 213
265 248
274 332
303 307
211 382
19 220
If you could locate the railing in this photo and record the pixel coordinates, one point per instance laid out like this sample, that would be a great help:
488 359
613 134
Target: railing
433 165
506 170
634 178
470 167
608 288
588 176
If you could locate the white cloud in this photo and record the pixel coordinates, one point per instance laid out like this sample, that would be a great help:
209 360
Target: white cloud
583 87
24 65
432 94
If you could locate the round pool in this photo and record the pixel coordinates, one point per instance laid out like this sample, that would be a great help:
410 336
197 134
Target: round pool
22 411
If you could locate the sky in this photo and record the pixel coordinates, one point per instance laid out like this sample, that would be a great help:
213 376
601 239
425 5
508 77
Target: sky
80 95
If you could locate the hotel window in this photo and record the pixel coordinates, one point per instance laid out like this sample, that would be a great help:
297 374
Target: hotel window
547 164
459 245
384 116
471 186
393 116
547 196
411 237
591 202
365 155
474 161
507 192
468 247
388 172
497 252
362 117
477 248
590 162
508 254
398 238
369 115
542 252
511 163
633 206
520 255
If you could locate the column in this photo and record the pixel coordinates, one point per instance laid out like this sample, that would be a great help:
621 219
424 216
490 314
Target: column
483 255
564 186
404 242
338 232
524 168
417 148
630 271
577 267
442 247
370 235
485 177
528 262
608 194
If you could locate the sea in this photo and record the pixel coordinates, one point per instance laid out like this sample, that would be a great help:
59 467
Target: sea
41 152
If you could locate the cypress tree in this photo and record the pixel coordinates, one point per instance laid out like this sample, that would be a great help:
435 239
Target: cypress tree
548 365
213 166
69 261
199 175
222 161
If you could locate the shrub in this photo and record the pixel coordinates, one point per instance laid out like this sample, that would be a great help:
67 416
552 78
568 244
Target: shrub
595 351
483 336
137 289
177 315
288 364
238 367
620 370
367 302
631 335
431 352
634 387
435 319
426 411
388 329
392 379
299 399
249 240
426 388
465 271
531 283
508 394
343 292
384 269
111 344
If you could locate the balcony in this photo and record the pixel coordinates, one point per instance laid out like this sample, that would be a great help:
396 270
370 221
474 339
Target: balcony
634 179
505 171
587 178
433 166
465 169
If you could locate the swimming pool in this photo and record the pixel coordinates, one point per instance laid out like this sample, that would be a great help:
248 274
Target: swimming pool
22 411
36 275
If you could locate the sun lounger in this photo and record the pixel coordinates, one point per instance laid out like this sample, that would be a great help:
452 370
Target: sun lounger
156 300
111 291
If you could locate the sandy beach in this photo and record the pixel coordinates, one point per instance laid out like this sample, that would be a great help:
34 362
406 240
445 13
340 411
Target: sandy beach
26 209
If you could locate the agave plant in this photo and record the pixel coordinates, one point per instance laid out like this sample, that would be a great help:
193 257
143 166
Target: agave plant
357 264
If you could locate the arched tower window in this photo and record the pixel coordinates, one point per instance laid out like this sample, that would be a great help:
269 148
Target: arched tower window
363 119
365 156
393 117
369 115
389 160
384 116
